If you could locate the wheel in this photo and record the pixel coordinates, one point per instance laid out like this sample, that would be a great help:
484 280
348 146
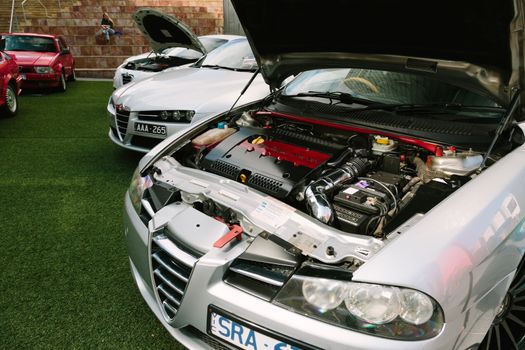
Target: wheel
508 328
10 108
73 75
63 84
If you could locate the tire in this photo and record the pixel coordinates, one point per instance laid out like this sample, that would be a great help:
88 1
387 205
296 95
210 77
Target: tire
507 331
62 87
10 108
73 76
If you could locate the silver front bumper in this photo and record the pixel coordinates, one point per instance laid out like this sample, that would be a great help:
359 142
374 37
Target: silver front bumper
206 287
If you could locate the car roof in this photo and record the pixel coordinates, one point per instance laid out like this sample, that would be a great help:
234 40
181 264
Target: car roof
52 36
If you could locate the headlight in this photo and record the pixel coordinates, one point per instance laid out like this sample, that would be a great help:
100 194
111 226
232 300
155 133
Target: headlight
136 189
326 295
373 303
385 311
177 116
44 70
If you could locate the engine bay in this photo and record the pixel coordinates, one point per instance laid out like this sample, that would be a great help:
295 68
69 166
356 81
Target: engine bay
157 63
355 180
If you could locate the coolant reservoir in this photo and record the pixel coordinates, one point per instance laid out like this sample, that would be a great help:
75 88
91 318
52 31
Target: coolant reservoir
212 136
456 163
383 144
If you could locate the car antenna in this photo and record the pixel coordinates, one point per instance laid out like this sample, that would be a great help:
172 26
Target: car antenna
244 89
514 103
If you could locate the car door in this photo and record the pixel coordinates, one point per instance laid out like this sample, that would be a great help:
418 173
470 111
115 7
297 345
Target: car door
65 56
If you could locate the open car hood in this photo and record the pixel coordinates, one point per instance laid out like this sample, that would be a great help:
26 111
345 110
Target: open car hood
164 31
471 43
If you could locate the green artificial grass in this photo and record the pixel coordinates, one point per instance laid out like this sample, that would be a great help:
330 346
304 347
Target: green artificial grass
65 281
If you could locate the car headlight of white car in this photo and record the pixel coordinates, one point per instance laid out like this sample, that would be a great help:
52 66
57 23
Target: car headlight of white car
385 311
44 70
137 188
177 116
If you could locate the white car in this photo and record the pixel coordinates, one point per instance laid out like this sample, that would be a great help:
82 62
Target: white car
376 202
177 49
144 113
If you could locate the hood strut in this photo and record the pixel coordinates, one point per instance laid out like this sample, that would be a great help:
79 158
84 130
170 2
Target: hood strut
244 90
505 120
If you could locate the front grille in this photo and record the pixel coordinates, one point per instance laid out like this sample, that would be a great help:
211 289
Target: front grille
263 280
23 69
144 141
265 183
210 341
171 268
126 78
122 119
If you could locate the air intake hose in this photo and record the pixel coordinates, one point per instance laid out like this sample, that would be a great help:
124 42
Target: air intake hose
317 193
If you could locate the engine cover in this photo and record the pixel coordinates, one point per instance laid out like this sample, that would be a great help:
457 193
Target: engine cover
258 159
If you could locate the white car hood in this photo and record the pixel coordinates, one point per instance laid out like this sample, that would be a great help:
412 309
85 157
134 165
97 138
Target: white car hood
164 31
200 89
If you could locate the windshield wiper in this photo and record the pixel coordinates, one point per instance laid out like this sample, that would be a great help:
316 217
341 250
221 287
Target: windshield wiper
343 97
445 108
216 66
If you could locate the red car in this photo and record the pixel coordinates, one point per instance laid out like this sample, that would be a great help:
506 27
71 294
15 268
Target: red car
45 61
10 82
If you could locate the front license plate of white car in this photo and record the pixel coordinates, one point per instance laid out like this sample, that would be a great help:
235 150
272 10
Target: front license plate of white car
150 129
237 333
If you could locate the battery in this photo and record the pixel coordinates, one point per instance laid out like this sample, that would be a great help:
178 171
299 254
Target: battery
350 220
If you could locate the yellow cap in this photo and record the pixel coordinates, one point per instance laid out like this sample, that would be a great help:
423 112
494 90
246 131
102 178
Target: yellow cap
382 140
257 140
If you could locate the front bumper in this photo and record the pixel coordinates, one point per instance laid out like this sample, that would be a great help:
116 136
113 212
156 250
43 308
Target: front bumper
38 81
122 131
206 287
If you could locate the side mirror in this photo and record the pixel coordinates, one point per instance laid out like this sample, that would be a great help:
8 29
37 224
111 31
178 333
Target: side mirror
64 52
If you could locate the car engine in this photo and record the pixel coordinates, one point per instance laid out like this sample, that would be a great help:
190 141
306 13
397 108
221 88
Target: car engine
358 181
157 63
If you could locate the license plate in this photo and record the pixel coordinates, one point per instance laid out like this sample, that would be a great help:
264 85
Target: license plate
237 333
150 128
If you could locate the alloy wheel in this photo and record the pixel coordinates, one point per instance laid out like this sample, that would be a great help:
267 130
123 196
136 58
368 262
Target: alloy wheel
508 328
11 100
63 83
73 76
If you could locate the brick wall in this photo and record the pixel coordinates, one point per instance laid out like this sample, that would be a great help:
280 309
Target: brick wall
78 21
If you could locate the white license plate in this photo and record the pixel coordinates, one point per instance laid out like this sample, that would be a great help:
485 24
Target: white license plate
242 336
150 129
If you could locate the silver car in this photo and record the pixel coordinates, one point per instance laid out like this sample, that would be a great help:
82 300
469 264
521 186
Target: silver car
374 202
141 114
172 43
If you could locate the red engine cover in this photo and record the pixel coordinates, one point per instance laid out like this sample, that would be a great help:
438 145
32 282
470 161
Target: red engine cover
299 156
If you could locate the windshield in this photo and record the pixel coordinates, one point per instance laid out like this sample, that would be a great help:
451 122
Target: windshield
385 87
29 43
209 44
236 55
